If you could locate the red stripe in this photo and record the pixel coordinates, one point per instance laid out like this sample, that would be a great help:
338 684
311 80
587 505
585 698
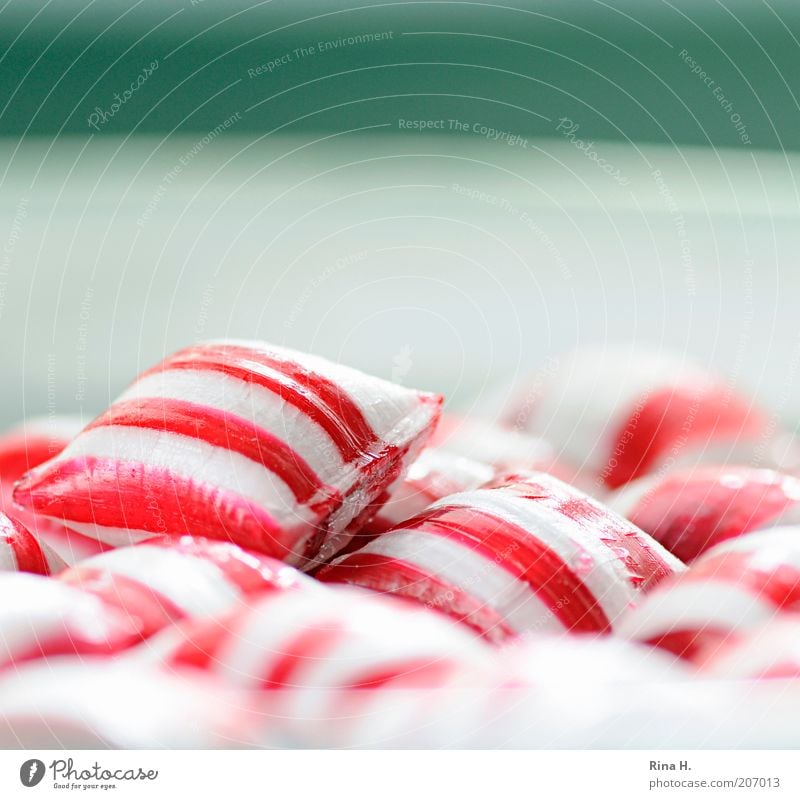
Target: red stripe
690 512
414 673
145 609
201 641
27 551
134 496
761 575
310 644
19 453
679 415
318 398
693 645
400 578
646 568
525 557
221 429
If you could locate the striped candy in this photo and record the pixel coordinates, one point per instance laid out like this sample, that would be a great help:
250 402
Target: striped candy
42 617
93 704
24 447
528 554
618 415
734 587
280 452
20 551
157 583
338 638
771 651
433 475
690 511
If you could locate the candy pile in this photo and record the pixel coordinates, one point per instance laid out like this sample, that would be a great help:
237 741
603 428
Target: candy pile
256 547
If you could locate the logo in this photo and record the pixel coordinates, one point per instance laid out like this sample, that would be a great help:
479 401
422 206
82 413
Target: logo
31 772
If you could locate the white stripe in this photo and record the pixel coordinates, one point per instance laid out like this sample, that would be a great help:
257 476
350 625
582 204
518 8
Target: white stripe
477 576
395 413
603 573
54 563
625 501
773 644
194 584
114 536
193 460
772 547
694 606
251 402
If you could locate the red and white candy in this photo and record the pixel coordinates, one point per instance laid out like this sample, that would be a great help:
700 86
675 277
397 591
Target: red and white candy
280 452
24 447
339 638
734 587
159 582
527 554
771 651
21 551
691 510
617 415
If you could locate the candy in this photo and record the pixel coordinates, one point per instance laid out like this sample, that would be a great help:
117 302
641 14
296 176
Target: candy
529 553
734 587
771 651
617 415
20 551
41 617
336 638
159 582
92 704
280 452
24 447
692 510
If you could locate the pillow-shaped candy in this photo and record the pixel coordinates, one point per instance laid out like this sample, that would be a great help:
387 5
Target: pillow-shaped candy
159 582
734 587
339 638
617 415
529 553
280 452
689 511
21 551
24 447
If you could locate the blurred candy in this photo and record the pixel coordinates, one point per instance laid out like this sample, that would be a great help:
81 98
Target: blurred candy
24 447
91 704
336 638
771 651
527 553
692 510
278 451
618 415
20 551
734 587
157 583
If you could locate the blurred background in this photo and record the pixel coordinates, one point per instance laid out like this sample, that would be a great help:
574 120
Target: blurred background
441 193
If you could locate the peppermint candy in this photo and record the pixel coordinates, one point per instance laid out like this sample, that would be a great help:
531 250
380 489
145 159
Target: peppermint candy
21 551
737 586
280 452
527 554
24 447
334 638
690 511
616 415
